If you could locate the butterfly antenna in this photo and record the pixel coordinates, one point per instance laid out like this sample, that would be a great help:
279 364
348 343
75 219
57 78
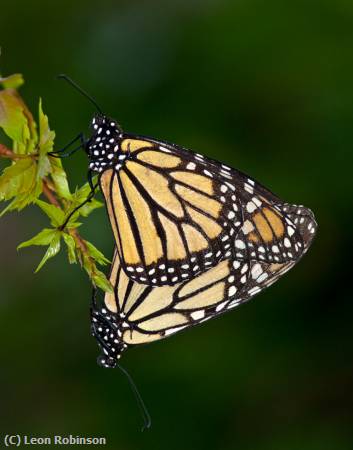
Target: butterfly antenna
62 76
144 412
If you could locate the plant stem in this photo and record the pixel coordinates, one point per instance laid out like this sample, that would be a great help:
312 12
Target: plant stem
7 153
49 193
72 231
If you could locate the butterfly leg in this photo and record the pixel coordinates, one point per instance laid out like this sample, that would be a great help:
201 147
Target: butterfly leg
88 199
61 154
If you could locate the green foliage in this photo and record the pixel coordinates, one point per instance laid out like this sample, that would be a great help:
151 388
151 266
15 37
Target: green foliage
44 237
71 248
34 174
13 81
12 118
59 179
80 195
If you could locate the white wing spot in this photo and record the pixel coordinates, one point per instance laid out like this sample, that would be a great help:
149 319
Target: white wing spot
232 291
250 207
247 227
198 314
256 271
287 242
244 268
257 201
239 244
221 306
248 188
290 231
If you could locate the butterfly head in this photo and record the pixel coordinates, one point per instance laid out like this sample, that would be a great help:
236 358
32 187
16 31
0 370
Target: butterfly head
103 146
106 361
105 327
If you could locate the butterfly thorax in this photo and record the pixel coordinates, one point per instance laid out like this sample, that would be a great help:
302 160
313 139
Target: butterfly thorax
107 328
103 148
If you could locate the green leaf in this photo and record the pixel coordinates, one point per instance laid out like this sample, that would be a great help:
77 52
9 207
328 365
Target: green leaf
43 167
46 144
46 136
96 254
22 200
78 197
55 214
23 179
17 178
13 81
98 278
83 192
101 281
8 208
52 250
12 116
31 144
86 209
44 237
19 181
71 247
59 178
71 224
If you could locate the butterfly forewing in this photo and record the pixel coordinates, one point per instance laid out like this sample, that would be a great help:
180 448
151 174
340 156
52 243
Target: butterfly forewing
176 213
170 220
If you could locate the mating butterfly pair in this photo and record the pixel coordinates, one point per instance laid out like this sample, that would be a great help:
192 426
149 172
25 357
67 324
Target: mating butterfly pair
194 238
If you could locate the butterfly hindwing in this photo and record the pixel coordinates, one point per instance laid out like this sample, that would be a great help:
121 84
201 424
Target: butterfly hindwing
144 313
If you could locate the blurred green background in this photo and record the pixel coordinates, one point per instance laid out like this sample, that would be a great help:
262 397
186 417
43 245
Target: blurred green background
266 86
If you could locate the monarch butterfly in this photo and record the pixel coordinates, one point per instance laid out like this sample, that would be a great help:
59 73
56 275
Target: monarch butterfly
174 213
137 314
